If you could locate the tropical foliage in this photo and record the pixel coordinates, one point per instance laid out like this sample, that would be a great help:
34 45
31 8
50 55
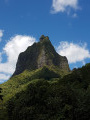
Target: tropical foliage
44 94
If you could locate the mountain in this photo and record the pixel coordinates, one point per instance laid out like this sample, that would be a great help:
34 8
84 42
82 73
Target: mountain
39 55
40 89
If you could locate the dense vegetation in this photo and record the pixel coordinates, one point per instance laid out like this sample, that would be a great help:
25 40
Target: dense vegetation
1 97
45 95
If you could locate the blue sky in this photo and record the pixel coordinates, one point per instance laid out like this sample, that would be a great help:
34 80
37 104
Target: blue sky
22 22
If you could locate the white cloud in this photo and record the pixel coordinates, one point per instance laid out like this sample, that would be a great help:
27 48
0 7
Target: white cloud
7 67
63 5
1 34
4 77
12 49
73 52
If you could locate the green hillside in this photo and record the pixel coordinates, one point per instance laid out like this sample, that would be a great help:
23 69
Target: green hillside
43 87
19 83
47 94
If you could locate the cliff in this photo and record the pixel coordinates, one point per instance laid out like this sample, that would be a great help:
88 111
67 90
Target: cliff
40 54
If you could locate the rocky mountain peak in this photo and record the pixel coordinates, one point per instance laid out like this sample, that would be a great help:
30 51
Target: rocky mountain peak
44 38
39 55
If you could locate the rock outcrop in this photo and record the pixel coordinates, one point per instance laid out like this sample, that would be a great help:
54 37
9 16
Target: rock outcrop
39 55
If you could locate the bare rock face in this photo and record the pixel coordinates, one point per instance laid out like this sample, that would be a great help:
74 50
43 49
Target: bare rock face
42 59
39 55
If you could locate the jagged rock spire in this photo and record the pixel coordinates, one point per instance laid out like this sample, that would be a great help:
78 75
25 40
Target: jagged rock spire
39 55
42 38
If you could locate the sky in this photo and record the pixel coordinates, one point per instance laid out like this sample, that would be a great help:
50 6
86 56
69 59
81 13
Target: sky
22 22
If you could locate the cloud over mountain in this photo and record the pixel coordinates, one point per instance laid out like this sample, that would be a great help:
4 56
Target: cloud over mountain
74 52
19 43
13 47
